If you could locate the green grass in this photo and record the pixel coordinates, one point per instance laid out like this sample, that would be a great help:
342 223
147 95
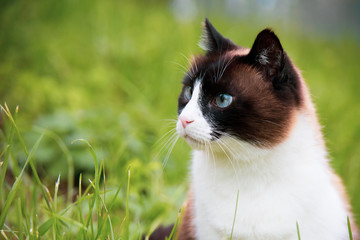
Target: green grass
298 231
349 229
236 205
108 72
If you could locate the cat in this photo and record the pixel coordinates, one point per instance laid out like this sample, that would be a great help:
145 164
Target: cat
259 159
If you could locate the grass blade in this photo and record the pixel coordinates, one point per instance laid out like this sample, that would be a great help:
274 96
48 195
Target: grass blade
3 170
33 210
236 206
4 235
69 159
13 190
45 226
19 217
12 232
127 215
57 184
70 221
4 151
6 158
79 204
298 231
349 228
96 183
12 120
174 232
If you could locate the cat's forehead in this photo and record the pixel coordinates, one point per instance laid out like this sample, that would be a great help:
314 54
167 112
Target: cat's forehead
227 70
204 62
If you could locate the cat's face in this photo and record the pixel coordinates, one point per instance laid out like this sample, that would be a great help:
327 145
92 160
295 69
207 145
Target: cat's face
233 92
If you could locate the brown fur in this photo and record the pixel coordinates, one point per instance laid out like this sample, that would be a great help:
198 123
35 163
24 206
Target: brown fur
187 229
161 233
276 116
266 116
341 189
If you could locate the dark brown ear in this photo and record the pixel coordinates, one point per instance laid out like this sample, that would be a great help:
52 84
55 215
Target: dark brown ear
212 41
268 54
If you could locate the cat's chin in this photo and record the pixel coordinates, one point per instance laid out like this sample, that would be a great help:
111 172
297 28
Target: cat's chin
193 143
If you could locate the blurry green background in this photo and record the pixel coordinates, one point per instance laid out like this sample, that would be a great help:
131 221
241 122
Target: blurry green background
108 71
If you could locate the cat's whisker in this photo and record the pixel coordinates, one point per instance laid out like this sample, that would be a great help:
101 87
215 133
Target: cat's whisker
183 69
220 66
180 65
190 65
229 148
254 140
171 120
232 152
209 157
225 67
268 121
230 160
194 60
213 159
170 150
202 75
170 123
207 153
160 140
232 140
166 143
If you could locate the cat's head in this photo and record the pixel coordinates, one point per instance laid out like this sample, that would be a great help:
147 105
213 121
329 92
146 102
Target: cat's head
233 92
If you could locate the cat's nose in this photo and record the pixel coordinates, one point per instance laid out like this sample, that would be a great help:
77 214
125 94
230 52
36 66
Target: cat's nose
185 121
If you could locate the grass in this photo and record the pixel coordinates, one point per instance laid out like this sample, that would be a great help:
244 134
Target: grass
108 72
236 205
96 225
349 229
298 231
59 218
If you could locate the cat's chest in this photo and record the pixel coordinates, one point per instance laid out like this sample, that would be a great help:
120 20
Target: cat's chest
215 218
257 207
272 198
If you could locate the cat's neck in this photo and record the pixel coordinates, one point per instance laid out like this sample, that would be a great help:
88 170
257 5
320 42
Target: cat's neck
292 174
303 147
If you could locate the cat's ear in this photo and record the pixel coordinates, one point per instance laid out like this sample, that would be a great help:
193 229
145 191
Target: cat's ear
268 54
212 41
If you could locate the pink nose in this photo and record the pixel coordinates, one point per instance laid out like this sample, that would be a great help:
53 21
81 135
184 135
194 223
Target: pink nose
185 121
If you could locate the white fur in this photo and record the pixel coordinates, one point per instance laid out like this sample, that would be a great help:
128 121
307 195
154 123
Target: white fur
204 42
278 187
198 130
263 57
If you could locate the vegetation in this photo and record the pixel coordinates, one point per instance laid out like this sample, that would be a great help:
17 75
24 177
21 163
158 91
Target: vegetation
96 84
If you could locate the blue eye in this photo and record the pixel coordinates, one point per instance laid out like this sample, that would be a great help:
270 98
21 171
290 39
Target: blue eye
223 100
188 93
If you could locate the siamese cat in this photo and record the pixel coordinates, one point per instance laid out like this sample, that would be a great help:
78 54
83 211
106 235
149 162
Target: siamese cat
259 159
